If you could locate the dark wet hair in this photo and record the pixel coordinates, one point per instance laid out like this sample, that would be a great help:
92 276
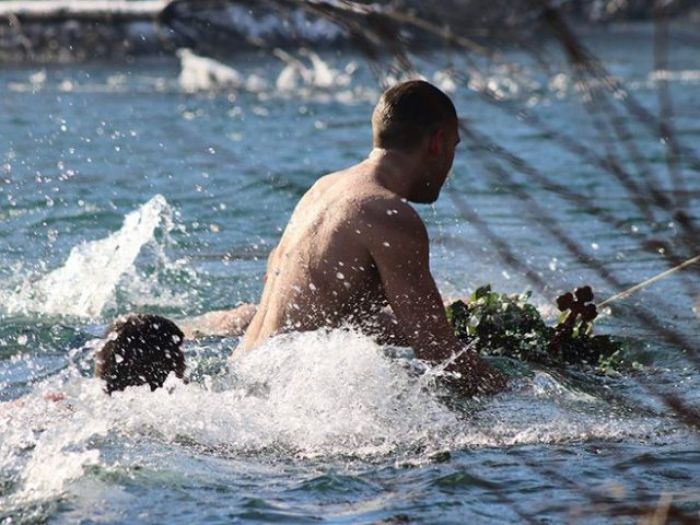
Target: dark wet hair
140 349
408 112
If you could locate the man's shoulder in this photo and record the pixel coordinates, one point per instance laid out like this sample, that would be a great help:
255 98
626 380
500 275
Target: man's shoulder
322 183
390 221
360 200
389 208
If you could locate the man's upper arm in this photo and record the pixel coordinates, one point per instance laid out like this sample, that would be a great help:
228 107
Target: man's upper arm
399 246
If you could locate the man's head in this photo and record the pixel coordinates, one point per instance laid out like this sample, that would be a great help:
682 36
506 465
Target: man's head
417 118
140 349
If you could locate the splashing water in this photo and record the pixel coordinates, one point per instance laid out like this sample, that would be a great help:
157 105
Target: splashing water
308 395
85 284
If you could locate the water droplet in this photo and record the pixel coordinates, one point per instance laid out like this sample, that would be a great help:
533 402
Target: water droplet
339 275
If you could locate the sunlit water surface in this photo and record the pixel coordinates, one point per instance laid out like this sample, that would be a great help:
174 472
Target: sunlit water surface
120 191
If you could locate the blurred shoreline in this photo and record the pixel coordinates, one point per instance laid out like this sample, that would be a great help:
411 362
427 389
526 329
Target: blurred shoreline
40 32
98 30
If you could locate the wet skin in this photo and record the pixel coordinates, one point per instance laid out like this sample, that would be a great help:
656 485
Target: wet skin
323 272
355 253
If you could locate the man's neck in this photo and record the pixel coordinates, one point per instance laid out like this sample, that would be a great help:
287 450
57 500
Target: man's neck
395 170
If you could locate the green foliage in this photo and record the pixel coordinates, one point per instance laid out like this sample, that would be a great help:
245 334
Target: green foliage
507 325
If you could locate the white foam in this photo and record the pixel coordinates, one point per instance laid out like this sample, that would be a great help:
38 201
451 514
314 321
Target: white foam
305 395
85 284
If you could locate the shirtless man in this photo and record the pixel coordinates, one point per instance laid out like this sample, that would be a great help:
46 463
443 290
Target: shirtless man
355 253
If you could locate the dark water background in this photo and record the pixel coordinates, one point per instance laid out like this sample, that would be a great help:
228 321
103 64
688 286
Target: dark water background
340 432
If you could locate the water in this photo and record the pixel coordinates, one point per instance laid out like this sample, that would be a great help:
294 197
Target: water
122 189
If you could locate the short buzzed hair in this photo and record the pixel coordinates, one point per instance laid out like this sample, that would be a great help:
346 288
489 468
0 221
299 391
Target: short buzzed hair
408 112
140 349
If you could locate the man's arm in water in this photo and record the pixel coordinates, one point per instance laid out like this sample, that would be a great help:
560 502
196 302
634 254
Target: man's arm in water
222 323
219 323
399 245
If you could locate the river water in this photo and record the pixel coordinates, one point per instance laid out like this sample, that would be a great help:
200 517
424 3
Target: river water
121 191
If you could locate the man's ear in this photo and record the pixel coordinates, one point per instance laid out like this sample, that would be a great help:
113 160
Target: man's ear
435 142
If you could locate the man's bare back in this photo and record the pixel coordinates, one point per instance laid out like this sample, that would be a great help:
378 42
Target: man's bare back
323 272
